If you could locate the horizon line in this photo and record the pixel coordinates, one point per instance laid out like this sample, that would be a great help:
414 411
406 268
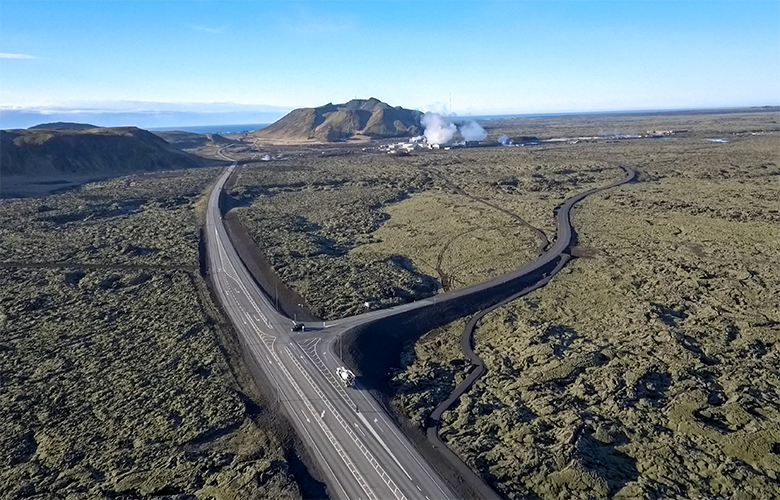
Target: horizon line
474 116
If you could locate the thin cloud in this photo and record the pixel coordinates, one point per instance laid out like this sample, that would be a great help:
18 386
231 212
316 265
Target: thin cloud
208 29
16 56
305 21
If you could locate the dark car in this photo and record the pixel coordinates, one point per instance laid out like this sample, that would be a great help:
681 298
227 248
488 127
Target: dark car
298 327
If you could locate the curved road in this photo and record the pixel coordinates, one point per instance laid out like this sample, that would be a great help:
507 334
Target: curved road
356 444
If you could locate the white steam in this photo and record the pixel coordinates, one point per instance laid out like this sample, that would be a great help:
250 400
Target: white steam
438 129
472 131
505 141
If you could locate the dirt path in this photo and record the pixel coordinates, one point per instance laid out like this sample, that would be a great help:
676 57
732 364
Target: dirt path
543 242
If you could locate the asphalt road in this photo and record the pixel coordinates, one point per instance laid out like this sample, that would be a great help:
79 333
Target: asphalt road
360 450
562 242
357 446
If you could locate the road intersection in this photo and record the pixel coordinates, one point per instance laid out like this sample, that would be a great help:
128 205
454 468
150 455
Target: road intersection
358 447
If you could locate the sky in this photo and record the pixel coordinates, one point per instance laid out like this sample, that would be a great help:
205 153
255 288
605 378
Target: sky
163 63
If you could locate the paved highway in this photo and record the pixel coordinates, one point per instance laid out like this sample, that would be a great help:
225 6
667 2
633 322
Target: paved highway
362 453
360 450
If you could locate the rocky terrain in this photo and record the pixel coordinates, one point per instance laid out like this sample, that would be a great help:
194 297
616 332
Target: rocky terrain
115 385
367 118
367 231
648 367
119 377
144 219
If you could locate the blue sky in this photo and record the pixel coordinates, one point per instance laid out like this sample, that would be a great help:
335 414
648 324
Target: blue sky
492 57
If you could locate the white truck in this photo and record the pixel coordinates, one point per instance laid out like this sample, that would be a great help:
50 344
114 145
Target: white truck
346 376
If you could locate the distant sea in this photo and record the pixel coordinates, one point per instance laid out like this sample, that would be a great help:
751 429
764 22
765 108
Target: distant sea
248 127
214 129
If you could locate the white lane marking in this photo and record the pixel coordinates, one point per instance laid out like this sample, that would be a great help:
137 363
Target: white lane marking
403 443
392 429
304 416
359 429
234 277
325 429
311 344
418 488
373 432
326 372
362 447
311 440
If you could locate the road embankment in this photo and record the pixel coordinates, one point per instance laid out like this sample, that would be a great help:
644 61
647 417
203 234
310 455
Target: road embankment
290 303
373 348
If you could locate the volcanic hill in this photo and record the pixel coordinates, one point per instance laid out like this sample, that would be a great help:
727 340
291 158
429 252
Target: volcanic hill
367 118
97 152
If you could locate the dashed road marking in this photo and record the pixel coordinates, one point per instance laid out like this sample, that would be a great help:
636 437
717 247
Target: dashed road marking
362 447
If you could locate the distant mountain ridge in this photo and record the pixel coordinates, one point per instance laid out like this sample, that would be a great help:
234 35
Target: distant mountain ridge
370 118
73 152
59 125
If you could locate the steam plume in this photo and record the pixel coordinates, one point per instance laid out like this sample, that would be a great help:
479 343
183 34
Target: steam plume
438 129
505 141
472 131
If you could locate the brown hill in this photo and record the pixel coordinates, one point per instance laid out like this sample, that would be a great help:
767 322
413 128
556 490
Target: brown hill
96 152
191 140
369 118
